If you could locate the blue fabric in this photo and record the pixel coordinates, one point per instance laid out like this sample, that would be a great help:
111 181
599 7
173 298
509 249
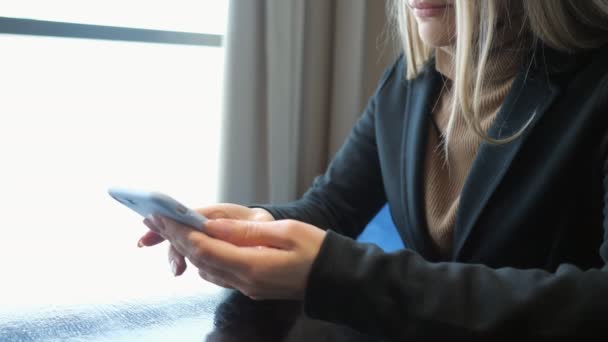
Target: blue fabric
382 231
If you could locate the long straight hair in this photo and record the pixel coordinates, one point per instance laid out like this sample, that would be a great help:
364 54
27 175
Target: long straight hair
567 25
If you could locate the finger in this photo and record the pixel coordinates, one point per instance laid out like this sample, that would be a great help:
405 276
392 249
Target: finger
150 238
252 233
199 247
218 277
177 262
151 224
223 210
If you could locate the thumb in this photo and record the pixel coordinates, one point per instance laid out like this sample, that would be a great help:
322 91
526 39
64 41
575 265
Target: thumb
251 233
224 210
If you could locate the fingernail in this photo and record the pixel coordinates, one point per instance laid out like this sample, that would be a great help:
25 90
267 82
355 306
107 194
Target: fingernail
140 244
173 267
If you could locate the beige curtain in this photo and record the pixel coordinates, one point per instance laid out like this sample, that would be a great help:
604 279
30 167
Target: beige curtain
298 74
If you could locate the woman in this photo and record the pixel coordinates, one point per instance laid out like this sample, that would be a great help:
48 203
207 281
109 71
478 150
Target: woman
489 140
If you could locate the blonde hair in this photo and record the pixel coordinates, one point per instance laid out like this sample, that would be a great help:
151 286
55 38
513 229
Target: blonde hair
566 25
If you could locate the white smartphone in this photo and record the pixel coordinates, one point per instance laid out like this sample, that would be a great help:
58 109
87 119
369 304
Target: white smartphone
148 203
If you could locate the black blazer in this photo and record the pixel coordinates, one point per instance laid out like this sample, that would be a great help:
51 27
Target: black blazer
529 250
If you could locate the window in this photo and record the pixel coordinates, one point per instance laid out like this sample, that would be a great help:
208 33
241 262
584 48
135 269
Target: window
80 115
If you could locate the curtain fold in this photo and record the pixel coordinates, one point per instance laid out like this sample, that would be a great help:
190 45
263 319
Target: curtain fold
298 74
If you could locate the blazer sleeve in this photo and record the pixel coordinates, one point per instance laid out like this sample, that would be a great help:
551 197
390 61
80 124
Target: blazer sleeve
400 295
351 191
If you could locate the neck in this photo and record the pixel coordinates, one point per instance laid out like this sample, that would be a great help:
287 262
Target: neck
502 66
506 54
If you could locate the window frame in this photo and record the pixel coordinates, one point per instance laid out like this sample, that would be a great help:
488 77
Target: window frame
33 27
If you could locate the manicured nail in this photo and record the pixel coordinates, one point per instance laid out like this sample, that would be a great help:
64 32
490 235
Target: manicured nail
173 267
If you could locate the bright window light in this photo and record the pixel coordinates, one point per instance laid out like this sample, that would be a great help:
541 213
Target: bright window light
78 116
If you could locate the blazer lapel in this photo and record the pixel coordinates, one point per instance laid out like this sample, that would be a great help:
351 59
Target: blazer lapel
420 95
530 96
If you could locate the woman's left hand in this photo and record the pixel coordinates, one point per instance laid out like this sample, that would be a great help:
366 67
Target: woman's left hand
263 260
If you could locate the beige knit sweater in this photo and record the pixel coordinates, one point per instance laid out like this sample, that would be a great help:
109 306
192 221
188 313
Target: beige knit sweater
444 179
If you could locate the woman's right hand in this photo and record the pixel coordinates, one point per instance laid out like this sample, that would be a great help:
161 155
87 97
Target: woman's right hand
216 211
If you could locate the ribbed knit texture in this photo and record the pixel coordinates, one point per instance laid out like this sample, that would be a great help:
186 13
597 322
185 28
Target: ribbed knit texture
444 179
